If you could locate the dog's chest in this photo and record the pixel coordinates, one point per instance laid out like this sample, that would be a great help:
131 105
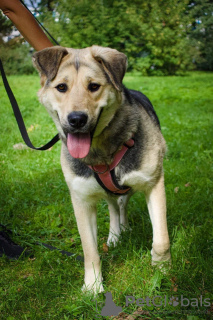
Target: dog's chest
88 189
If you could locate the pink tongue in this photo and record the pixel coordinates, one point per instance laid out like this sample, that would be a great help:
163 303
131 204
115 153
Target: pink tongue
78 144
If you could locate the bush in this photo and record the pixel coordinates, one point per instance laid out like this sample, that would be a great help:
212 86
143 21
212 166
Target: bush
16 57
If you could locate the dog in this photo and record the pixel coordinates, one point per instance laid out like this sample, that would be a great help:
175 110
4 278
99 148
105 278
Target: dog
98 119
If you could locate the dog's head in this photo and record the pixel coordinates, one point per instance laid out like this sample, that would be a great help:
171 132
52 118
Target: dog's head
77 84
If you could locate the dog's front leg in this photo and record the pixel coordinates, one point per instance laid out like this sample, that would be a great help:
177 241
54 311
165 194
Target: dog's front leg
156 201
87 226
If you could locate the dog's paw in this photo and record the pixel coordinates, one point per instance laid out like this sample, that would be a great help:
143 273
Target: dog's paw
92 289
162 257
163 261
125 227
112 240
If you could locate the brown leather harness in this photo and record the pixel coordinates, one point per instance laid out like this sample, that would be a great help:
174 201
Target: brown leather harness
105 174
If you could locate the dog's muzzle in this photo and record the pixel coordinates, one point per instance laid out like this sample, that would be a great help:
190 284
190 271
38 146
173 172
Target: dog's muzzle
77 119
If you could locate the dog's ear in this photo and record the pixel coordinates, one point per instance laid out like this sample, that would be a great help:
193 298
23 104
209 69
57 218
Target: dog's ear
47 61
113 62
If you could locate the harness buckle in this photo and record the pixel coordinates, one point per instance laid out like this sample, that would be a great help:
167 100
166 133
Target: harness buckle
101 172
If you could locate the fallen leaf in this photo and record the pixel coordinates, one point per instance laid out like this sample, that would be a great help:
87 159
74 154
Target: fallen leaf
20 146
31 259
31 128
174 284
105 247
176 189
173 279
187 184
175 288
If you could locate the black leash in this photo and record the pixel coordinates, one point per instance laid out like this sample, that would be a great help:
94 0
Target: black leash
7 246
14 251
19 118
15 106
56 42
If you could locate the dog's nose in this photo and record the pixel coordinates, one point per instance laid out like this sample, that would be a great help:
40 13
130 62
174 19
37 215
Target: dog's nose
77 119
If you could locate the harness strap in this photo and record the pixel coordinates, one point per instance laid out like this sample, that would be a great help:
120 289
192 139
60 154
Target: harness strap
105 174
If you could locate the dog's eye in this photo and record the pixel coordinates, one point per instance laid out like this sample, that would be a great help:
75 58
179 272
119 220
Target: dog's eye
93 87
62 87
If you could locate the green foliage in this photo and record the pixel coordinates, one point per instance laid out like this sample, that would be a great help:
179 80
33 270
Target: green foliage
159 37
202 32
16 57
152 34
35 205
163 34
5 25
15 53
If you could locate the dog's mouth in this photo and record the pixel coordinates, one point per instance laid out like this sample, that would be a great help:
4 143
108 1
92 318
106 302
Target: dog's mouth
79 140
78 144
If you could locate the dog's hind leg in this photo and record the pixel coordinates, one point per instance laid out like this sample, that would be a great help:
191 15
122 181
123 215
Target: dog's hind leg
115 230
156 201
118 218
122 202
87 226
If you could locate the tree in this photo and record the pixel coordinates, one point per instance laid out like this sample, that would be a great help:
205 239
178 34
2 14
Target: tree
151 33
165 50
14 53
201 33
159 37
5 26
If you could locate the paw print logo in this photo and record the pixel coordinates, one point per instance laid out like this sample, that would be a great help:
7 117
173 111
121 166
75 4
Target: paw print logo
173 301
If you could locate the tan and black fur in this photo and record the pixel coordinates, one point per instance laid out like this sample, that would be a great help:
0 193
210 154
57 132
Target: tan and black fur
113 115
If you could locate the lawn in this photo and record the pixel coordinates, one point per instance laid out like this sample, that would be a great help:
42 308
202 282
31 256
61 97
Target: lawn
35 205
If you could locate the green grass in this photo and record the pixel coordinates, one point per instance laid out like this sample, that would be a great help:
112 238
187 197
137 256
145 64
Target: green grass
35 205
